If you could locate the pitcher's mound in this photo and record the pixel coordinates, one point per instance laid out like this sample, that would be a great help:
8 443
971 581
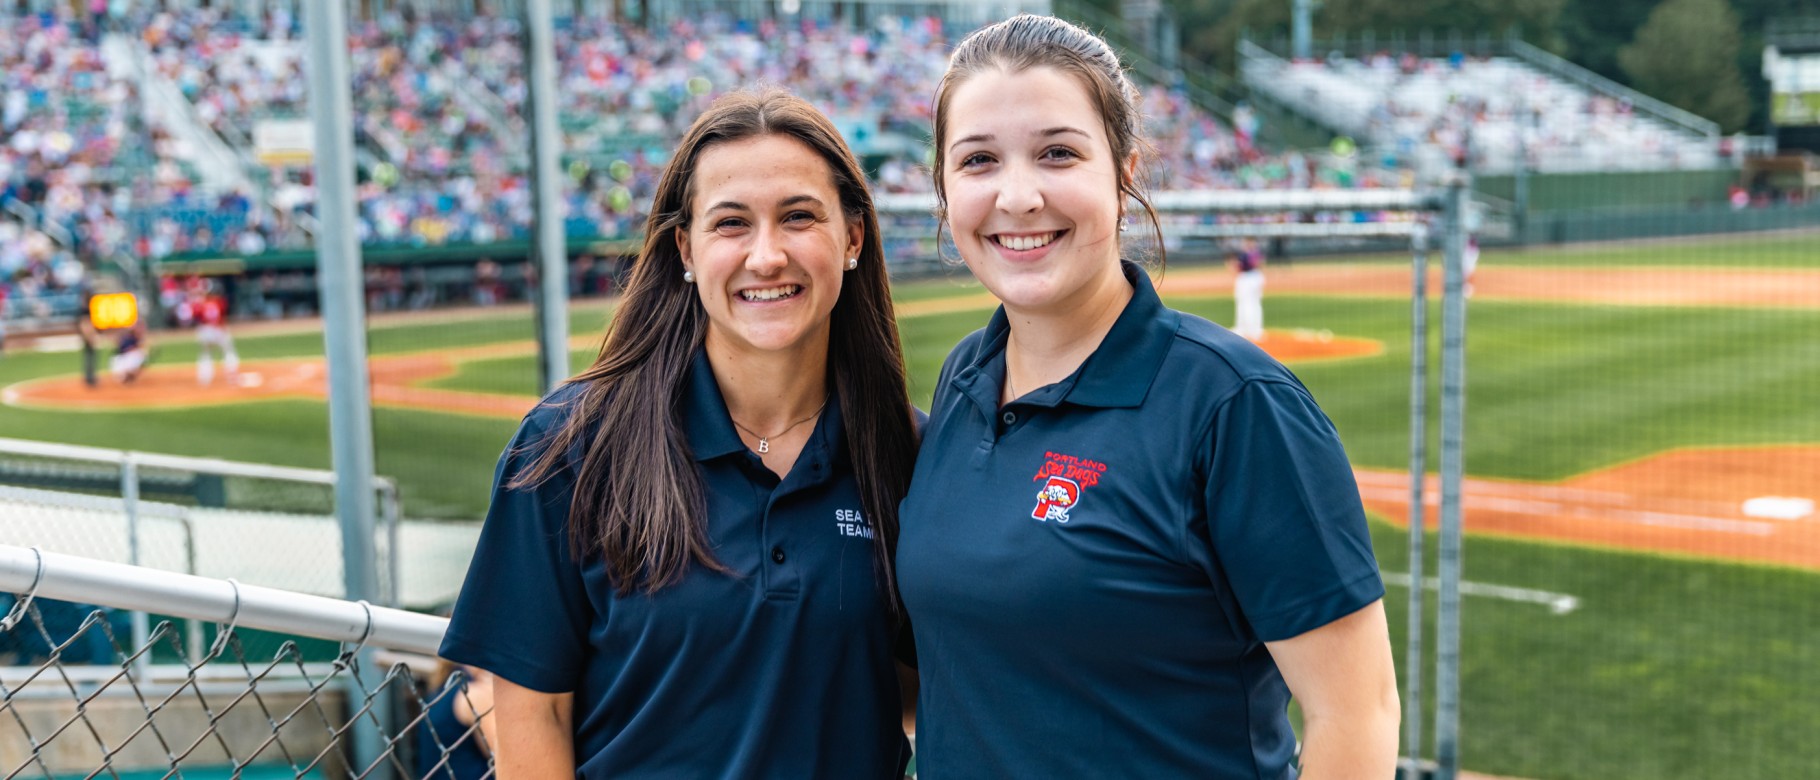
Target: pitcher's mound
172 385
1304 344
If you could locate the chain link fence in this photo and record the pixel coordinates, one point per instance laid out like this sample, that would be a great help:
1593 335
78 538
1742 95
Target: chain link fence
289 685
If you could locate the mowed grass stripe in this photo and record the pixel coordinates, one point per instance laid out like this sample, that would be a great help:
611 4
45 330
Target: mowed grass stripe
1779 249
1669 669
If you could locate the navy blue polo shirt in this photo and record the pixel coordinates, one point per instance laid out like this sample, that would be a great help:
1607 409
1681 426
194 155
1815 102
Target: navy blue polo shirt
1093 569
783 669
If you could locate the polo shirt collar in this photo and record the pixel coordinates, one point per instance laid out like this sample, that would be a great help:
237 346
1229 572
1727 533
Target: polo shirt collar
709 427
704 413
1118 373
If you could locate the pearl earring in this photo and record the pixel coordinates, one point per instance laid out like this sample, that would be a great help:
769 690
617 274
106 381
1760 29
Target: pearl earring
852 263
688 277
1124 225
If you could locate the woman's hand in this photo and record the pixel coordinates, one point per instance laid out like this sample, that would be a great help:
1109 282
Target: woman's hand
474 703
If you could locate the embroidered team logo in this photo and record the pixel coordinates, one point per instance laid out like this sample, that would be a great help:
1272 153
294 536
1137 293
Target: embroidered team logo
1064 478
1057 497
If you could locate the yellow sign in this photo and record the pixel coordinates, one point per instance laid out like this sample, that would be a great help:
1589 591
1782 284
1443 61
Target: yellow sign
113 310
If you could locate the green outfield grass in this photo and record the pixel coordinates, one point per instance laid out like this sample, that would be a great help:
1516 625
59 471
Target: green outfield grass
1774 250
1554 390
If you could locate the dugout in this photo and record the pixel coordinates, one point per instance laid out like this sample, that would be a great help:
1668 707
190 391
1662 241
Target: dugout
271 285
1794 176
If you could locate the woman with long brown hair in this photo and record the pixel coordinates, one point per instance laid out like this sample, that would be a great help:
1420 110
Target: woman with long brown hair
686 567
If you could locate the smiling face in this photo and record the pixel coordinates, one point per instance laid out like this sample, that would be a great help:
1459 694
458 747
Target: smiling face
768 241
1032 189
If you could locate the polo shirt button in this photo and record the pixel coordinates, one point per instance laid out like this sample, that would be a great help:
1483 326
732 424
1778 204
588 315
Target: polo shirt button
777 555
1009 417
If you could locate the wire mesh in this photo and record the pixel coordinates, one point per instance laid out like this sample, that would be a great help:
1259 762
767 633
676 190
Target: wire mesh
76 700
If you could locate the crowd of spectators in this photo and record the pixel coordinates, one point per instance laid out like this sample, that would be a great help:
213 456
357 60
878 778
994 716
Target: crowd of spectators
440 113
441 106
64 122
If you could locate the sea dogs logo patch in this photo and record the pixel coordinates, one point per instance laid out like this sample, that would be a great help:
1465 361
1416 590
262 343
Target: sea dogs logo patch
1064 478
1056 498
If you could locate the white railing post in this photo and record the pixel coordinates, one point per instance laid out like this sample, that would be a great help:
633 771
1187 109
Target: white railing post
389 514
129 493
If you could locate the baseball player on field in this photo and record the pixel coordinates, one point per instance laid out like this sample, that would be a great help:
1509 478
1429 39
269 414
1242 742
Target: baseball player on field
210 312
1248 290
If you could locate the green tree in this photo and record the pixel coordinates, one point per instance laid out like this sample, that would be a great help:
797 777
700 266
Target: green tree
1687 54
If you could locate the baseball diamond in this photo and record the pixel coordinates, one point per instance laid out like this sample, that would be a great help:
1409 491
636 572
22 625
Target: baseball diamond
1549 337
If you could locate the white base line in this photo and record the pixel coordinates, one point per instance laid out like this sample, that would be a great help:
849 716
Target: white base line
1523 506
1558 603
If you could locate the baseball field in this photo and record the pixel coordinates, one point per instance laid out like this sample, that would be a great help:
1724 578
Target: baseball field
1643 425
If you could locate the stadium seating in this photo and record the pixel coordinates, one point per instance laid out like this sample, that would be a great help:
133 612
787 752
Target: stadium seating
1402 105
440 110
440 123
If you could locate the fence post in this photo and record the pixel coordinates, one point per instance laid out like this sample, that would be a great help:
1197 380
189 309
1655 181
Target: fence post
338 262
129 495
551 296
1453 418
389 512
1418 473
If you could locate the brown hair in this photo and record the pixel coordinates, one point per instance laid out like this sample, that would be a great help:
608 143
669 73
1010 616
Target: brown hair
1029 41
647 519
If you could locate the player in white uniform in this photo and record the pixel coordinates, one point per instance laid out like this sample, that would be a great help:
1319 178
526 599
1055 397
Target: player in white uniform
1248 291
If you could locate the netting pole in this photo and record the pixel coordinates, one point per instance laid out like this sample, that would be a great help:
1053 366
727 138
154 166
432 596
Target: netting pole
1418 473
340 283
552 293
1453 419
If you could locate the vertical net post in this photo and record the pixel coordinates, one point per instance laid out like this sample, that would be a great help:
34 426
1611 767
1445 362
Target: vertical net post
1453 419
1418 473
338 261
552 292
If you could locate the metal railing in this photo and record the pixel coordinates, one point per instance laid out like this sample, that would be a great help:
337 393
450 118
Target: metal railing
1260 67
226 710
1548 63
223 164
1260 70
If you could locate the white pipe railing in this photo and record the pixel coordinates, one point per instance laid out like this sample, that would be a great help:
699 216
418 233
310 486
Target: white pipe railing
38 574
1679 118
114 457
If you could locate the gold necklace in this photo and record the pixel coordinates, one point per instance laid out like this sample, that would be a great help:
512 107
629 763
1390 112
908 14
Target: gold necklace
764 442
